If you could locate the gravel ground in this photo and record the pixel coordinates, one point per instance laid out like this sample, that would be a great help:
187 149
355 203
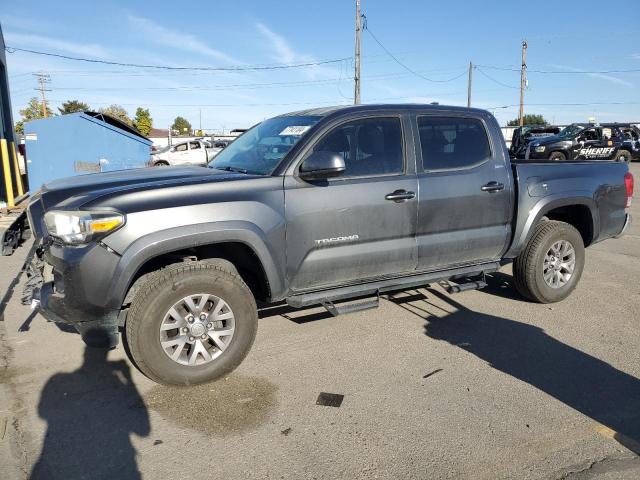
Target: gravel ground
480 385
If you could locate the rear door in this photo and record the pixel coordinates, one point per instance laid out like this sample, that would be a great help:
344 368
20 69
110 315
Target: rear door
592 144
465 207
197 155
351 228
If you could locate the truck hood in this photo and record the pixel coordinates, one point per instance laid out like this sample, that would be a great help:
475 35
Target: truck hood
547 140
74 192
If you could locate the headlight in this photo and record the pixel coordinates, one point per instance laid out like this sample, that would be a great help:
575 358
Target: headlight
540 149
78 227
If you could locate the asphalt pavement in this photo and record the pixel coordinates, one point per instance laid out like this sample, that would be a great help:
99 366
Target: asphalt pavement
478 385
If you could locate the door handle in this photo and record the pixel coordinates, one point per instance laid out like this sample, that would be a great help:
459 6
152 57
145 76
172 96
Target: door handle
492 187
400 196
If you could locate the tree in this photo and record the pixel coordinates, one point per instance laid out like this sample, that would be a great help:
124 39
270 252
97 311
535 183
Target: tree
32 111
181 125
117 111
73 106
529 119
143 121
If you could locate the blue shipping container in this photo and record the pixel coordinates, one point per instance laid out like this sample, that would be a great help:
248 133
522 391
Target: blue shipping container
81 143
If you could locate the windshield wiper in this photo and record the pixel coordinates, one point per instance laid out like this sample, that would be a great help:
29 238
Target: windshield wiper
233 169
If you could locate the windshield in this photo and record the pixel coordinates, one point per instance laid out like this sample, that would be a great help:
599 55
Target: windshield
261 149
570 131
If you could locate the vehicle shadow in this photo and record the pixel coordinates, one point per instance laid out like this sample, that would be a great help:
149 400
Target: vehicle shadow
501 285
90 414
526 352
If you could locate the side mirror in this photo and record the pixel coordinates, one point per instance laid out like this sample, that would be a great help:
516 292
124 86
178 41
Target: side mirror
320 165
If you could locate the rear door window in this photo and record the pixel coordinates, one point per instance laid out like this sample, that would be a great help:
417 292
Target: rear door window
450 143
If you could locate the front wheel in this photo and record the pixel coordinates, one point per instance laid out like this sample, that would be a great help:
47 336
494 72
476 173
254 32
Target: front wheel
557 157
551 265
191 323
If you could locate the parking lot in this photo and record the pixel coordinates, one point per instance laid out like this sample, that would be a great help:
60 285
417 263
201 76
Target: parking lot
477 385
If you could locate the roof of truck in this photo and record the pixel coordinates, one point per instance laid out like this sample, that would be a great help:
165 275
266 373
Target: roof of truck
325 111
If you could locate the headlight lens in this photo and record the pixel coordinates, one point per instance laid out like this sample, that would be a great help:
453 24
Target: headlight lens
79 227
540 149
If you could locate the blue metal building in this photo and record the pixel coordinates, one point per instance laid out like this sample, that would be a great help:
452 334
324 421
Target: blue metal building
81 143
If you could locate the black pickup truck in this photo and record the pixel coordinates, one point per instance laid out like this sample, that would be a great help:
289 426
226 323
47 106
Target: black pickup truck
523 135
310 208
581 142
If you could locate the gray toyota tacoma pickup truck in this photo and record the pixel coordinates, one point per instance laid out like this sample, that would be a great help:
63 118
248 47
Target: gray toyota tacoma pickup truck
310 208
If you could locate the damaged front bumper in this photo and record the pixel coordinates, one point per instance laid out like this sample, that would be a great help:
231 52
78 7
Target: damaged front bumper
59 288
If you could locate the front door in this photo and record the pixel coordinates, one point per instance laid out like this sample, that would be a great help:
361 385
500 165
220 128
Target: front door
180 154
360 225
464 214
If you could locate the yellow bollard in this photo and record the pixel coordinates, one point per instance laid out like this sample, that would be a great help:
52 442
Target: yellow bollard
16 165
6 171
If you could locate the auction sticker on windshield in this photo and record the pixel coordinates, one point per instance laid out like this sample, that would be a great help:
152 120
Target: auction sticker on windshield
295 130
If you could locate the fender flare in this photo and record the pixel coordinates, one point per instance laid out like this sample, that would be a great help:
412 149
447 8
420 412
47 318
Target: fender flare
524 230
179 238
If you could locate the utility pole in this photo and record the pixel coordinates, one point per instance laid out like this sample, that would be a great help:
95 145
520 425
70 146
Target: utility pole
469 85
523 80
356 97
200 120
43 79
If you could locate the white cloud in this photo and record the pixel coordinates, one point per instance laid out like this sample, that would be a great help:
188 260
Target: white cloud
283 52
176 39
601 76
27 40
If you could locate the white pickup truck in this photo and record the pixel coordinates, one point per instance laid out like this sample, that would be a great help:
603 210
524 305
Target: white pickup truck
193 152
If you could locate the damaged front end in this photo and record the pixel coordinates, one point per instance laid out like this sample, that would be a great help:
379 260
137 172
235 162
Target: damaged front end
45 291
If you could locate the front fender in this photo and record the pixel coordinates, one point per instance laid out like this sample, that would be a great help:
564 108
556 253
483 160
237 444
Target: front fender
189 236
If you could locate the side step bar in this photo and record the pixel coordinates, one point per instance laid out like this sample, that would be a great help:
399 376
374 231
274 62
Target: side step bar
351 307
388 285
463 287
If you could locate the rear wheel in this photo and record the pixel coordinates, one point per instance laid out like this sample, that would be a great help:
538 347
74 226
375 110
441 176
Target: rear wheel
623 156
551 265
161 164
191 323
557 157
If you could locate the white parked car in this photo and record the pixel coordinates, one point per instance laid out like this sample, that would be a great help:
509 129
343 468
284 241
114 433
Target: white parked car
193 152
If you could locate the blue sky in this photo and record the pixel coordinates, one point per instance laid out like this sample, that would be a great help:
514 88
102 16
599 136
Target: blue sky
436 39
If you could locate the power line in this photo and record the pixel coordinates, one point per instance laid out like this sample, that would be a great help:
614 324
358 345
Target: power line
493 79
10 49
410 70
569 104
561 72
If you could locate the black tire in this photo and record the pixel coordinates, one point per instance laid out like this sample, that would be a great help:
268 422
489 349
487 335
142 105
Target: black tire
623 156
160 291
161 164
528 266
557 157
